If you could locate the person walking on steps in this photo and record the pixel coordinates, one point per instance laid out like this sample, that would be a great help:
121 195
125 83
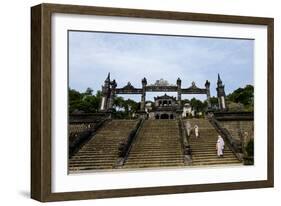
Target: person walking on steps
220 146
196 131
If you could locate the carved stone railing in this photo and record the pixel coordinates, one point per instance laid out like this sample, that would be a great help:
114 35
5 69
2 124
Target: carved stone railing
125 146
234 144
185 143
82 137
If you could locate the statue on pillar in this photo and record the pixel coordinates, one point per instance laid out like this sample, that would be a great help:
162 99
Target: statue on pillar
112 95
144 83
179 91
207 86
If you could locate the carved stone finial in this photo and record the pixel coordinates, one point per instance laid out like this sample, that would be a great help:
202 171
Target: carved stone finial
207 84
144 81
219 79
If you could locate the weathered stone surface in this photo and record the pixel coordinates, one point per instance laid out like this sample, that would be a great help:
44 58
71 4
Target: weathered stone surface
203 149
157 145
238 128
101 152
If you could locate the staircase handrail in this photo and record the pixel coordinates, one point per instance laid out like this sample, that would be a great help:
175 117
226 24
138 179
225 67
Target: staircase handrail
126 145
183 133
185 142
234 145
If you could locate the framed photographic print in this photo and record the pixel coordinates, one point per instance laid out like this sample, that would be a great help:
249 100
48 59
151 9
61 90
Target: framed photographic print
130 102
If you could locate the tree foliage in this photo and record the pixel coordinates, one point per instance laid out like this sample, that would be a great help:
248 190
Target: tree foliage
125 108
244 96
88 102
83 102
198 105
250 148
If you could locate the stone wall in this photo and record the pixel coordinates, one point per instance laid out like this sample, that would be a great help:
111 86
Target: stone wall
76 128
238 129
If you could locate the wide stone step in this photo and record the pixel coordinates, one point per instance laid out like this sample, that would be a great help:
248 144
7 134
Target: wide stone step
84 157
110 148
78 168
164 147
215 158
199 144
202 150
154 164
147 165
112 154
236 162
91 164
143 162
99 161
148 153
203 153
155 151
155 156
206 148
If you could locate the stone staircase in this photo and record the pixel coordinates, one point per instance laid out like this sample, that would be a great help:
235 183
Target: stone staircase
157 145
101 152
204 148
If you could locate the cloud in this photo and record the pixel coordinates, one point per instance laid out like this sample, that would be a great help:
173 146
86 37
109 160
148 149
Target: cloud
131 57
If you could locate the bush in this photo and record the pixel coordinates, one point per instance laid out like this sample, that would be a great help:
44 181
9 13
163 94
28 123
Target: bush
250 148
249 157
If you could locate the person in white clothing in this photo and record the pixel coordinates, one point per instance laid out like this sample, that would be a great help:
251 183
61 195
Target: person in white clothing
220 146
188 128
196 131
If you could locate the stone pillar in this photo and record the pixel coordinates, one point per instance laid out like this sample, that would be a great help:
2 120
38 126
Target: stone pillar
112 94
179 91
221 94
207 85
105 94
144 83
143 101
103 103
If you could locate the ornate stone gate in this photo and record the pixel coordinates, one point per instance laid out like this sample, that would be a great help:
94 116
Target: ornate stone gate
110 90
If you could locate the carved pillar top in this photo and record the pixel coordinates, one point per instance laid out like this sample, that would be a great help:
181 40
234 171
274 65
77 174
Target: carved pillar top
179 83
144 82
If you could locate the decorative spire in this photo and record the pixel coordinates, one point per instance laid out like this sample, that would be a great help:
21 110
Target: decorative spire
107 80
219 79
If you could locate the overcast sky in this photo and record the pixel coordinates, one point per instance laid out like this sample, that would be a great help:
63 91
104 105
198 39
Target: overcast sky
130 57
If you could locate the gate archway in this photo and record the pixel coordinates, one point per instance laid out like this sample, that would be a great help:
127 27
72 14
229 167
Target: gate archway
110 90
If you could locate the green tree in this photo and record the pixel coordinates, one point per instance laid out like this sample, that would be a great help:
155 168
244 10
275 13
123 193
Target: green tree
119 102
74 95
198 105
89 91
214 101
244 96
84 102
